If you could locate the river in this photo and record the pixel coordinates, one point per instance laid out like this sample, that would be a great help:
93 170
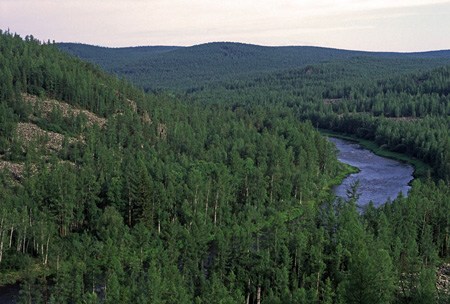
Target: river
380 178
9 294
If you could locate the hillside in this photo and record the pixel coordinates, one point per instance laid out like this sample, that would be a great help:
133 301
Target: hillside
154 68
101 184
109 58
109 195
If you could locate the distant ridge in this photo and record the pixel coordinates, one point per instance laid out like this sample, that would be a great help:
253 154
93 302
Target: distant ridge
166 48
155 67
104 55
145 49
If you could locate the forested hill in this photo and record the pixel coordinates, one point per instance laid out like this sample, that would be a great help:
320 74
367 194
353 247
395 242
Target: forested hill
185 67
110 58
109 195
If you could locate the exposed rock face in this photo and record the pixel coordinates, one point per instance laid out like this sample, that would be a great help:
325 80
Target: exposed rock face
15 168
146 119
162 131
47 106
28 132
132 105
443 278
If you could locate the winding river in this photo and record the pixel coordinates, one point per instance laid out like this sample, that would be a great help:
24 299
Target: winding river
380 178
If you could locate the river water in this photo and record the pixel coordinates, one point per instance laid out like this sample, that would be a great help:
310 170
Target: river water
9 294
380 179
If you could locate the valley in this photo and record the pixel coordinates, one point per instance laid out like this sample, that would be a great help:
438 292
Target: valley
200 174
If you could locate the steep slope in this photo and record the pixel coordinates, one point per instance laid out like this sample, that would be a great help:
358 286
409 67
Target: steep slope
101 179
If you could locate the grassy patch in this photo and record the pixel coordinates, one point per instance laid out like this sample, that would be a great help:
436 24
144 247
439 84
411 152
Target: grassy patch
344 171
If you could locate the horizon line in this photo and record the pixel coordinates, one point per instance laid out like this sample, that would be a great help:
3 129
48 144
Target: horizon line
250 44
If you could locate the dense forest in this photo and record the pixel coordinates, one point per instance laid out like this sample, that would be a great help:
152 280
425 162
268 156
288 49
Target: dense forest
219 194
181 68
407 113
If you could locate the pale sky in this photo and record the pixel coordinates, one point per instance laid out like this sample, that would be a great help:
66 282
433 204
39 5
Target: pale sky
376 25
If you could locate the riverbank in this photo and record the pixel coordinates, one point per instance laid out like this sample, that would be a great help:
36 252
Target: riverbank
421 169
344 171
325 194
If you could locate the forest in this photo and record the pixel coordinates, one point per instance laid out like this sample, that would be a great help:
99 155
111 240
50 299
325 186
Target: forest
181 68
219 193
407 113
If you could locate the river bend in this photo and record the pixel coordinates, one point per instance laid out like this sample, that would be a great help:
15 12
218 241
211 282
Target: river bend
380 178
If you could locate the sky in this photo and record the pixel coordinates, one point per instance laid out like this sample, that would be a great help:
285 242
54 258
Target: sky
372 25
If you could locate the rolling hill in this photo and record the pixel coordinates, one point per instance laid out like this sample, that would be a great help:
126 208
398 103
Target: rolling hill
171 67
110 195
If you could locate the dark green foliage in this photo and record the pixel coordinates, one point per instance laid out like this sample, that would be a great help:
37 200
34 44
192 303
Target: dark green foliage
190 68
213 201
407 114
41 69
